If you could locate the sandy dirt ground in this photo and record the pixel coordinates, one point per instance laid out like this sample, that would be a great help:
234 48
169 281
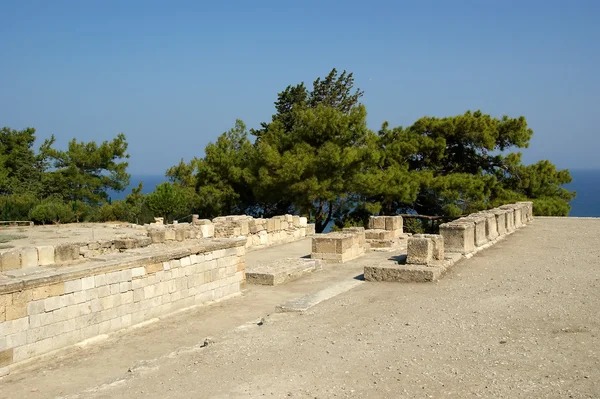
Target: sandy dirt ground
72 232
518 320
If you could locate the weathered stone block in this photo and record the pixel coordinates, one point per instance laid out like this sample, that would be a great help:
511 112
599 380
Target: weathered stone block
510 217
303 221
276 224
491 226
394 223
157 236
296 221
45 255
377 222
310 230
419 250
379 234
438 245
480 237
29 257
458 237
207 230
10 260
66 253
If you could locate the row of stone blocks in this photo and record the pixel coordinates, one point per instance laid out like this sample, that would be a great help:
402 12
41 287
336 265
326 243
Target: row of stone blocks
466 234
259 232
339 246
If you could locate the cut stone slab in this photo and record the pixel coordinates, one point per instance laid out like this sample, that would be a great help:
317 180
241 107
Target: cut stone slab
306 302
394 272
281 271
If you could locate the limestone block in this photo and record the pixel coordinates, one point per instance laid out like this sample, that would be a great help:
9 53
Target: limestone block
284 225
207 230
276 224
394 223
480 237
420 250
45 254
289 218
379 234
438 245
270 225
296 221
66 253
458 237
527 210
263 237
180 233
377 222
500 216
11 260
219 219
310 229
169 234
125 243
491 226
303 221
244 227
29 257
510 217
518 216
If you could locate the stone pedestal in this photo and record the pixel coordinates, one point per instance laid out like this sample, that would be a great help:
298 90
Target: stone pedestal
458 237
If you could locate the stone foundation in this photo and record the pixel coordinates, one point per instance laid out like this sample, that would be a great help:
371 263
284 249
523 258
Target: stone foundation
339 247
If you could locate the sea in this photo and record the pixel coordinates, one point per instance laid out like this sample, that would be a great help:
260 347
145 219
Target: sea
586 183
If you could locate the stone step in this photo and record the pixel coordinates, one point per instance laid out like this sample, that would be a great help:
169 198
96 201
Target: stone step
281 271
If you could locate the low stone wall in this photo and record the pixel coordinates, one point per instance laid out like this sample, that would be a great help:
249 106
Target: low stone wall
258 232
339 247
384 232
467 234
57 307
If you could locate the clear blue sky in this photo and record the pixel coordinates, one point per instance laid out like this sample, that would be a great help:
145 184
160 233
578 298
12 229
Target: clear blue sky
174 75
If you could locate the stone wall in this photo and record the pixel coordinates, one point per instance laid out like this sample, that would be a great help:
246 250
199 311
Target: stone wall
258 232
478 230
57 307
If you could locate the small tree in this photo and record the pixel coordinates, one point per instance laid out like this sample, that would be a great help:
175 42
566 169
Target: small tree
168 200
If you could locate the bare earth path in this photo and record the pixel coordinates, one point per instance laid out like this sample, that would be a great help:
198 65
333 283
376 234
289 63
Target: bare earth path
519 320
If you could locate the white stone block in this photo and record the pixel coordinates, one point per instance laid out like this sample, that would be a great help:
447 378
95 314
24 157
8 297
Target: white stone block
125 286
15 326
29 257
103 291
185 261
87 283
36 307
138 272
100 280
45 254
115 288
207 230
53 303
112 278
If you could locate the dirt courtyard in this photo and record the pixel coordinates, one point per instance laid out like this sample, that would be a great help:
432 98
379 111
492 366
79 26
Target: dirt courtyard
518 320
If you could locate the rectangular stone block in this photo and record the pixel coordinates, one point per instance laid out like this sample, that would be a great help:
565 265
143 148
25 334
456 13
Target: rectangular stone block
491 226
303 221
6 357
377 222
310 230
379 234
157 235
510 218
66 253
45 255
419 250
394 223
29 257
480 237
10 260
458 237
